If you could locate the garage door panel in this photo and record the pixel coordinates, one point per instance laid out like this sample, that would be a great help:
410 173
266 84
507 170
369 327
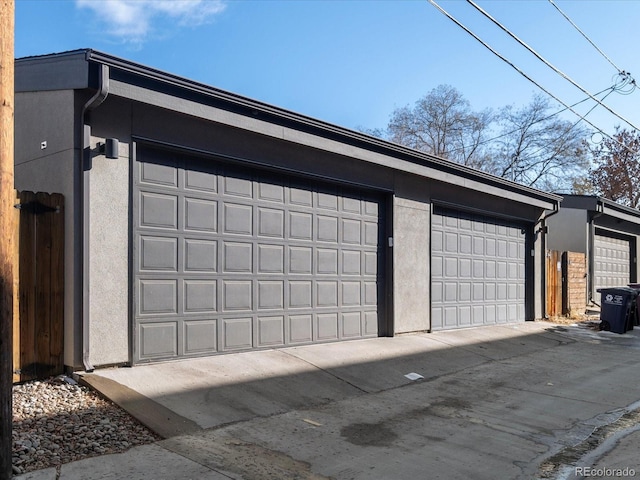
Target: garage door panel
271 192
270 222
300 260
158 296
300 226
301 195
270 259
327 200
236 185
270 294
477 270
238 219
159 339
237 333
370 323
201 215
327 229
371 264
200 337
201 181
237 295
158 210
326 294
238 259
270 331
200 255
612 260
327 326
300 329
159 174
200 296
351 325
370 294
158 253
327 261
478 314
351 205
351 262
351 295
300 294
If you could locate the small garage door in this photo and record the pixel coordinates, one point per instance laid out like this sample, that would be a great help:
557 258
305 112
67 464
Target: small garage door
477 270
612 260
229 259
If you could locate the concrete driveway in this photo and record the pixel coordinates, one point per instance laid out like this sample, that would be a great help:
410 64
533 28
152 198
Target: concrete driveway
532 400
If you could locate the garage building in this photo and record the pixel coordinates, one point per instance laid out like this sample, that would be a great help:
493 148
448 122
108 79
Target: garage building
606 232
199 222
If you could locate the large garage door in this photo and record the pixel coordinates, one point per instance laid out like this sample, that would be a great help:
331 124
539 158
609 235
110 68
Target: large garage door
612 260
230 259
477 270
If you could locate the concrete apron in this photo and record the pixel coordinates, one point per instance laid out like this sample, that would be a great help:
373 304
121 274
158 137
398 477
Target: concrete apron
514 400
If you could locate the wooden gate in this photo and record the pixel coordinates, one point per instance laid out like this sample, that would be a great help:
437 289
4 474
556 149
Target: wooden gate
554 283
39 323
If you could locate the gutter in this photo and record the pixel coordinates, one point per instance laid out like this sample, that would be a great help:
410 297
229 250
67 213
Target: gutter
556 210
81 201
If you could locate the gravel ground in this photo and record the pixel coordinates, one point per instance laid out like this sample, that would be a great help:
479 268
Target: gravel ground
56 421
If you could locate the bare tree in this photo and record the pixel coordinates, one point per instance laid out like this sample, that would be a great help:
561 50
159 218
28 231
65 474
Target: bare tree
529 145
538 149
616 171
442 123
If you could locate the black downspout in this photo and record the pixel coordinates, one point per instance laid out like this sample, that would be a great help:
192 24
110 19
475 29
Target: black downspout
544 230
82 218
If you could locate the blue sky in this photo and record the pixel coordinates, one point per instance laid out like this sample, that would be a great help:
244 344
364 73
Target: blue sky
352 62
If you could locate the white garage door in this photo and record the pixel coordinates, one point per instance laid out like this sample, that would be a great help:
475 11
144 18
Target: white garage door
477 270
612 260
229 259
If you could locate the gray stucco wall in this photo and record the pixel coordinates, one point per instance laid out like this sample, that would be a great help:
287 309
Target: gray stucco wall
568 231
412 265
108 259
49 117
109 187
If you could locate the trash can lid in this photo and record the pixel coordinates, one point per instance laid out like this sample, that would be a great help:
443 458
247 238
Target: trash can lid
619 290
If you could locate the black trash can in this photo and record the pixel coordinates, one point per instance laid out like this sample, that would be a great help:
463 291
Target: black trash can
617 308
636 286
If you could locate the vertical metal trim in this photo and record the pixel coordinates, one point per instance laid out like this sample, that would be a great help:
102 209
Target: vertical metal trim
133 158
387 251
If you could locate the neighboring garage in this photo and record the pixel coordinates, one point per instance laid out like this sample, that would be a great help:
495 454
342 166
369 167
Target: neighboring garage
199 222
603 230
613 259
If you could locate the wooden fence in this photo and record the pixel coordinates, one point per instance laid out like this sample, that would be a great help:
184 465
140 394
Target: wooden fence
38 325
566 283
554 283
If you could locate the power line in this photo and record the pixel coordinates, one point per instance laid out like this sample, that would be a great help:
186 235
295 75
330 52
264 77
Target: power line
547 63
512 65
588 39
611 90
608 89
